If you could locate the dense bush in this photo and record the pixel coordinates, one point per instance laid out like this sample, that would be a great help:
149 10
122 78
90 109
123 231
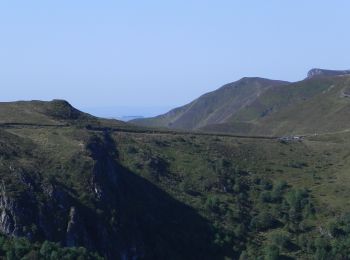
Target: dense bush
21 248
272 252
262 221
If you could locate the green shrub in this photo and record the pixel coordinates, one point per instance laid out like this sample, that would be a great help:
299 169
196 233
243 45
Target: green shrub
271 252
262 221
281 240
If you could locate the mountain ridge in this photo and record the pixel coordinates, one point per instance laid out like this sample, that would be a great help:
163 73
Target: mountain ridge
267 111
316 72
214 106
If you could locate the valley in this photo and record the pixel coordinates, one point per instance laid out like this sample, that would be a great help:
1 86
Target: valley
125 191
174 130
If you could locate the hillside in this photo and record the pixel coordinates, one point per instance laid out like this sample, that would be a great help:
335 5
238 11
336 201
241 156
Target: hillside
318 104
54 112
315 105
214 107
50 113
77 191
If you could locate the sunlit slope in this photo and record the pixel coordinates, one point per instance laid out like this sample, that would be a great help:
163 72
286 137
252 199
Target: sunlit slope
316 105
51 113
40 112
255 106
214 107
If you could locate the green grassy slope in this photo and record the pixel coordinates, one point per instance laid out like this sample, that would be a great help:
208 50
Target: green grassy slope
55 112
326 111
40 112
317 105
227 181
213 107
172 195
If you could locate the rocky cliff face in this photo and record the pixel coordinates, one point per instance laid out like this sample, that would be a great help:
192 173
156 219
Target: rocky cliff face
12 214
70 185
41 207
321 72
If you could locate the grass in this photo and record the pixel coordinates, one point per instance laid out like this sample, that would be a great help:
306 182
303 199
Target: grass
316 164
316 105
214 107
169 192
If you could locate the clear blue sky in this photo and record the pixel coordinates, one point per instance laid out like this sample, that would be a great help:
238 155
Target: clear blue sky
159 54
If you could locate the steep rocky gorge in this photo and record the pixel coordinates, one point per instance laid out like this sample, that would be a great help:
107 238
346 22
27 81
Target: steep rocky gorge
40 206
89 199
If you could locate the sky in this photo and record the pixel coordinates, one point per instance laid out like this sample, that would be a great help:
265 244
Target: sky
114 58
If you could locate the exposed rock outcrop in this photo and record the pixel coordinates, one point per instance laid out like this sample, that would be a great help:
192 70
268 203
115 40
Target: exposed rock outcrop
16 213
321 72
40 207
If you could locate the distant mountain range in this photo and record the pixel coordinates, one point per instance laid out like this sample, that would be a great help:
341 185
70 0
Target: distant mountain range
128 118
318 103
